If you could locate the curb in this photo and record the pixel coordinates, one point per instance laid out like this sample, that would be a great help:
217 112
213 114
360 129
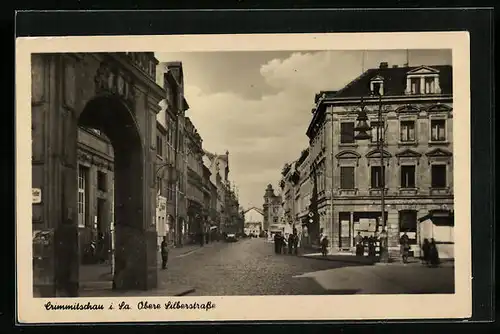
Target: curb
346 260
185 292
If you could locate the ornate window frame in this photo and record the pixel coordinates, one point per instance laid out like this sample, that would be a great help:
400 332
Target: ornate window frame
373 157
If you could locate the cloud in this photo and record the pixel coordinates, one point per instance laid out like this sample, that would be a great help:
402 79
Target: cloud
263 134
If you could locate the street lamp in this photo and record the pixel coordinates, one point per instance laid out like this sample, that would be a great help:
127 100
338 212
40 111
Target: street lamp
362 128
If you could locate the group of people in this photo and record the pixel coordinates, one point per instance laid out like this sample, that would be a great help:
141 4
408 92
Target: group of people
281 243
371 242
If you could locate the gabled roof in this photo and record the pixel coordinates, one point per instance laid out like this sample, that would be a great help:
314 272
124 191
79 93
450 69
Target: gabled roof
256 209
394 81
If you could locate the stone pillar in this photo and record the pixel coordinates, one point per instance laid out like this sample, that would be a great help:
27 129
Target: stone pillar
335 241
408 85
422 85
437 85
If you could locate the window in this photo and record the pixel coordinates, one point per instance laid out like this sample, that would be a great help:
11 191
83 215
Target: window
347 177
407 176
159 145
377 131
408 221
407 129
101 181
415 85
429 85
158 185
82 195
438 176
275 219
377 176
438 130
347 132
377 88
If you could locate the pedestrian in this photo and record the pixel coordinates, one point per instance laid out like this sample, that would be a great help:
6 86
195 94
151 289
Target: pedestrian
358 241
404 241
324 245
383 241
164 253
371 245
276 243
290 244
433 254
425 251
295 242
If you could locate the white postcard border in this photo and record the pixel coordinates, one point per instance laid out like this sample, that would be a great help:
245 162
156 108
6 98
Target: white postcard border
349 307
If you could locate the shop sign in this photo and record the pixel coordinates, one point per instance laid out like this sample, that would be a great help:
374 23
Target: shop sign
37 195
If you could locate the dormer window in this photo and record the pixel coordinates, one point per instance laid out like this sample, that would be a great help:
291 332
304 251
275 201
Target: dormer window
377 85
423 80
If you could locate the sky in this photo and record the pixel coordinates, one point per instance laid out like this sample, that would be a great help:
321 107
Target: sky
257 104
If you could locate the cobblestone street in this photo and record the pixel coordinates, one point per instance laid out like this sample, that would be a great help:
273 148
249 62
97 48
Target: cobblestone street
246 267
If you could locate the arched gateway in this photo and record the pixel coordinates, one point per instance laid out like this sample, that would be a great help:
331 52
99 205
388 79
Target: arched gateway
116 94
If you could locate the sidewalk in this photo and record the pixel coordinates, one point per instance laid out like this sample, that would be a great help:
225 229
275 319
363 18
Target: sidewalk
398 278
96 280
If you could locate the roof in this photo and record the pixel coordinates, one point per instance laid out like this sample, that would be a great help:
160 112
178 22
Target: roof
256 209
394 81
212 156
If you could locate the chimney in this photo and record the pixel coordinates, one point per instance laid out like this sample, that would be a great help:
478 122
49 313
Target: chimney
384 64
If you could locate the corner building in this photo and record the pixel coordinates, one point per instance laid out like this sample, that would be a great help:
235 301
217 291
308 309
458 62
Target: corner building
417 108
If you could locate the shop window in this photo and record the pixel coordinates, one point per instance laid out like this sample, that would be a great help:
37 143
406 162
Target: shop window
347 178
377 176
438 130
438 176
347 132
102 181
407 129
407 176
408 223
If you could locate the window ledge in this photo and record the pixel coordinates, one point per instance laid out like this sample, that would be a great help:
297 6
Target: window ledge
348 192
443 142
440 191
348 145
408 143
377 191
408 191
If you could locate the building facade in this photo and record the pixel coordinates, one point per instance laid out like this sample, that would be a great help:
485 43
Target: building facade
417 128
195 185
172 168
254 221
272 208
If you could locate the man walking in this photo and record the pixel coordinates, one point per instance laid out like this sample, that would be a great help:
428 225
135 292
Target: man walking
164 253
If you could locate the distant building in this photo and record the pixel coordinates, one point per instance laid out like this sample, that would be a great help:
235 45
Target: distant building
417 107
254 221
272 208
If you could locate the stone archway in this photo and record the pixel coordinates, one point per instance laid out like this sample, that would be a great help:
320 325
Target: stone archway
111 115
117 94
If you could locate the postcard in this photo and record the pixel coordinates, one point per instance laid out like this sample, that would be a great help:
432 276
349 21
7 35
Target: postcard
243 177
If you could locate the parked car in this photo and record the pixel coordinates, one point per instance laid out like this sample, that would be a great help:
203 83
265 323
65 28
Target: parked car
231 237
